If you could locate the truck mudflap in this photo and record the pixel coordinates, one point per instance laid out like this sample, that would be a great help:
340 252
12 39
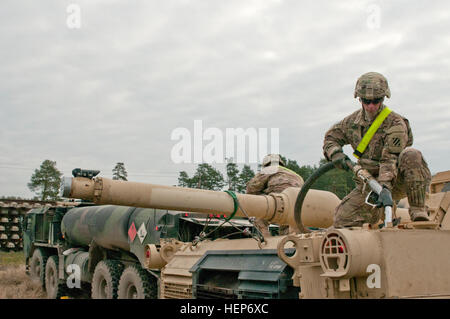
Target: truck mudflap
242 274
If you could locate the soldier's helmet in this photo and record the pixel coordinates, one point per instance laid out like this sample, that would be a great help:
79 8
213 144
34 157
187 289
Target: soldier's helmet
372 85
272 159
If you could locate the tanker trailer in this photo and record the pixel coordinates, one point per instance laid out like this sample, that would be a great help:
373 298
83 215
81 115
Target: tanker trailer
69 263
394 259
113 245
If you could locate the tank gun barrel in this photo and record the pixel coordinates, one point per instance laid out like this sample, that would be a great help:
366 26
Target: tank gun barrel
276 207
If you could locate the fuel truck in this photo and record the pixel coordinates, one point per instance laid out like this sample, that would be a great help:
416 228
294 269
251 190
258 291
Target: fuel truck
82 250
395 258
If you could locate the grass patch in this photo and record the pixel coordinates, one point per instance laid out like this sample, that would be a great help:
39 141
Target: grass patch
15 284
12 258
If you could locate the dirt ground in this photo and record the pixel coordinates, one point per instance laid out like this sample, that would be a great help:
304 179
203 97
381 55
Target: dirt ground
14 282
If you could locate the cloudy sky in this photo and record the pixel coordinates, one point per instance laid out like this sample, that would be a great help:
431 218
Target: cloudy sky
91 83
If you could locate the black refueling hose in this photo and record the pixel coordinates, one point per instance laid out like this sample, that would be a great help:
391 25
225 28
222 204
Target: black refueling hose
302 194
305 188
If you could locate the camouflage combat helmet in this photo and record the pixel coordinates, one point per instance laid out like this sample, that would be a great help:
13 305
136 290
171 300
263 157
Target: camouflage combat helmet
372 85
272 158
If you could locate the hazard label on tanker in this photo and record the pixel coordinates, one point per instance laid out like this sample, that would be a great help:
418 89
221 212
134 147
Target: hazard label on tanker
132 232
142 232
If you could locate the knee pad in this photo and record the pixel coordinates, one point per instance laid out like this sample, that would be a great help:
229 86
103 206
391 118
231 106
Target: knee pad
412 166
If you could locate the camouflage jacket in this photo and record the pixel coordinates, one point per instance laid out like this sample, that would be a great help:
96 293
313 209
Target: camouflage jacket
273 179
381 155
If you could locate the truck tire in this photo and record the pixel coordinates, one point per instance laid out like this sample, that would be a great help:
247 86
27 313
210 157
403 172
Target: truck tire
105 280
55 289
137 283
37 266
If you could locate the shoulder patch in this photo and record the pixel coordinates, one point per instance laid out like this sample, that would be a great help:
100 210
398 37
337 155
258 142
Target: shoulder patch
397 138
396 129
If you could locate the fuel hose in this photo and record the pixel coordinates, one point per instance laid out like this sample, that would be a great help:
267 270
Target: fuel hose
304 190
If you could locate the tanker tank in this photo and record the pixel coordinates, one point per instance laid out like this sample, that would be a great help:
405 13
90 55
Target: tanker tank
80 226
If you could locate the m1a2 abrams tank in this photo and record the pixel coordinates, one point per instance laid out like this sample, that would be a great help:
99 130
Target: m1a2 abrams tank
399 260
440 183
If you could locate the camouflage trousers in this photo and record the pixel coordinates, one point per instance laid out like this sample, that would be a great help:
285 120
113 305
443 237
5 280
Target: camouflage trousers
413 179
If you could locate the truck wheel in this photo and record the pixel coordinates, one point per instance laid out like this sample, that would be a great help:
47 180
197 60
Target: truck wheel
137 283
106 279
55 290
37 266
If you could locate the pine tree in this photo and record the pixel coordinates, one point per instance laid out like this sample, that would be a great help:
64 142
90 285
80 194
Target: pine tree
119 172
244 177
232 175
205 177
185 181
46 180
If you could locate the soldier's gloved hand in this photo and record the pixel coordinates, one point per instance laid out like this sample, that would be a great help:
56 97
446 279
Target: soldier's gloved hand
339 160
385 198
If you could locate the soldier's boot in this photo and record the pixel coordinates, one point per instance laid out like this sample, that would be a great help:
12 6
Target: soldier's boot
417 178
416 192
418 214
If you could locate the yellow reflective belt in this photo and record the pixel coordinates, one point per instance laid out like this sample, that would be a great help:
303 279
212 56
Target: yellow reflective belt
289 170
369 134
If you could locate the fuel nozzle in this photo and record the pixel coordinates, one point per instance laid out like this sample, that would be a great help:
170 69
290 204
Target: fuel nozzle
382 195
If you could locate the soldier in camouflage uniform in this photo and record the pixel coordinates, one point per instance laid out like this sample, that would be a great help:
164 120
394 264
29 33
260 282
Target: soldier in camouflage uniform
388 156
273 178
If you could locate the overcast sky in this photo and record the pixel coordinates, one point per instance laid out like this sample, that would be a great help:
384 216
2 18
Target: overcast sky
114 87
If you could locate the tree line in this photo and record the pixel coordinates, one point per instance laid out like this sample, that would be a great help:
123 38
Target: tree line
206 176
46 180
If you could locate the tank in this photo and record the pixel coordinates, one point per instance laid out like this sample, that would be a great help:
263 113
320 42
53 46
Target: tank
440 182
402 260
